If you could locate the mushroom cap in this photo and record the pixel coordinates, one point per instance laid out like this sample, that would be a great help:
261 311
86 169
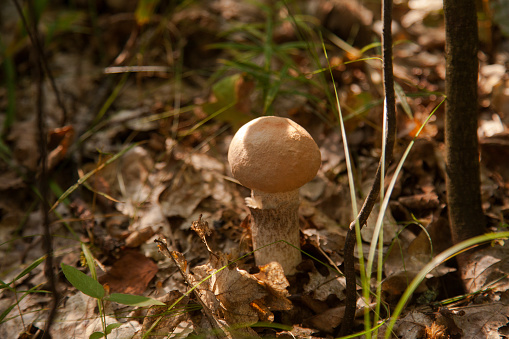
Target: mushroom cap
273 154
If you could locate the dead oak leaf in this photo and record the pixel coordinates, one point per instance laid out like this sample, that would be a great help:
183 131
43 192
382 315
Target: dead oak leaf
130 274
482 321
236 289
273 278
487 267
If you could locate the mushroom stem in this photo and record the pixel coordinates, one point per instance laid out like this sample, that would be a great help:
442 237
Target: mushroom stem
275 217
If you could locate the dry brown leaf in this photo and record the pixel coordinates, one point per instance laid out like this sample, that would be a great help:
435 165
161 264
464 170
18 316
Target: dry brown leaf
327 321
184 194
420 202
130 274
137 238
10 180
487 267
169 321
413 325
321 287
236 289
26 145
202 229
407 257
482 321
390 226
272 277
60 140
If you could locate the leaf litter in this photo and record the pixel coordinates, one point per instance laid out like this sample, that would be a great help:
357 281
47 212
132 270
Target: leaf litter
176 181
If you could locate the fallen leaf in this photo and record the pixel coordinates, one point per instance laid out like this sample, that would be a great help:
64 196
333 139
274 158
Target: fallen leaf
482 321
236 289
130 274
139 237
487 267
184 194
60 140
25 143
169 320
413 325
273 278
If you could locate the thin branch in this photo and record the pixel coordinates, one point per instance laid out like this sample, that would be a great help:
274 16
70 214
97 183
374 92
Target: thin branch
372 198
41 66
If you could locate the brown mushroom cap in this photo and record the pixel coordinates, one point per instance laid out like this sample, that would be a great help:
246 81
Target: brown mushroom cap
273 154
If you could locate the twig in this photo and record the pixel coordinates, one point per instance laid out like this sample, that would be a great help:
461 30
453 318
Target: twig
390 137
179 261
43 142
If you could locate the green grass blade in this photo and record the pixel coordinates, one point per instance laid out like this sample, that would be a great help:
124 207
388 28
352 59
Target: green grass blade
89 174
89 257
9 309
133 300
400 94
29 268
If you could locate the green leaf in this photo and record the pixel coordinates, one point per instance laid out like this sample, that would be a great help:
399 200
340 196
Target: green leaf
500 10
83 282
111 327
6 312
144 11
96 335
230 104
133 300
3 285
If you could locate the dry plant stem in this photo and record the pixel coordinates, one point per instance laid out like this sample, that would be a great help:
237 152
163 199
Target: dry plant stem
275 217
43 181
372 198
220 331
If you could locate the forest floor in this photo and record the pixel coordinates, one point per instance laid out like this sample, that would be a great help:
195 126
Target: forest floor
153 97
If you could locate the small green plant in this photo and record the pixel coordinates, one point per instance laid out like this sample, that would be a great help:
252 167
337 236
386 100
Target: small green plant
90 286
11 286
269 64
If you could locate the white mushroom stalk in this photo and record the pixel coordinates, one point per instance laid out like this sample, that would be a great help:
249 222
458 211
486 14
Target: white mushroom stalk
274 157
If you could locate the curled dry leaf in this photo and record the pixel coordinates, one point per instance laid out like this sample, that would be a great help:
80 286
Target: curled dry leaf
481 321
139 237
203 230
60 140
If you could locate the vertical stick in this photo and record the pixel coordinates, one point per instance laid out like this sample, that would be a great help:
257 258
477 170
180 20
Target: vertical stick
390 137
466 216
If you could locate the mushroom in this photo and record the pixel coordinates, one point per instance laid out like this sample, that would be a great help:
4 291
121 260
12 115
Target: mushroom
274 157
